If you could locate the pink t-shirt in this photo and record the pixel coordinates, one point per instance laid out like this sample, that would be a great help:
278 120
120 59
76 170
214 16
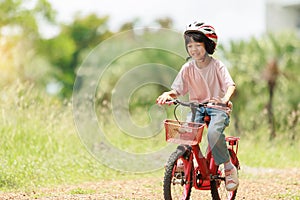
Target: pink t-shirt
203 84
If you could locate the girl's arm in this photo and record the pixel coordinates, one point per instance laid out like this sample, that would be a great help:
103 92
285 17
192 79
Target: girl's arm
226 98
228 94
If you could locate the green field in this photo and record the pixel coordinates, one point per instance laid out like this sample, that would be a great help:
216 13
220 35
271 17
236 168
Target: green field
40 146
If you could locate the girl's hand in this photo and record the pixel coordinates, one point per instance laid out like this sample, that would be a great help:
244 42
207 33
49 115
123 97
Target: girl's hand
162 99
222 101
165 97
219 100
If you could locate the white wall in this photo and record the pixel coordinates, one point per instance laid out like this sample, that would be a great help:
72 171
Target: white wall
282 15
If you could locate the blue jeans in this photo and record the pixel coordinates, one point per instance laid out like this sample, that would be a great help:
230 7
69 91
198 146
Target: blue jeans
219 120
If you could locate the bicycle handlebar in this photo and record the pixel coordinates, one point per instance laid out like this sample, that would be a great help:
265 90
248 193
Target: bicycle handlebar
195 104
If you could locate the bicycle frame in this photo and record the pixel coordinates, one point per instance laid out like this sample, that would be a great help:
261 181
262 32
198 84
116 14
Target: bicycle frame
206 168
203 172
187 167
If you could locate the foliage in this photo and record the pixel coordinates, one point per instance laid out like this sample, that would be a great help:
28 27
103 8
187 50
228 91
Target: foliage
248 61
39 145
19 35
20 18
66 50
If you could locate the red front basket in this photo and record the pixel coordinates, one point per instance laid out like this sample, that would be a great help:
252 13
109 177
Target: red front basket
183 132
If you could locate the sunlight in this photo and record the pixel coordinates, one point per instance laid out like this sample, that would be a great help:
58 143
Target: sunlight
7 59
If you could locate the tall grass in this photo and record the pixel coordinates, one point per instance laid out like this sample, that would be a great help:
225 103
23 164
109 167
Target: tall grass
259 152
39 145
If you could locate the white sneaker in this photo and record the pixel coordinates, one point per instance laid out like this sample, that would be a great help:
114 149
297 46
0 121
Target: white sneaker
231 179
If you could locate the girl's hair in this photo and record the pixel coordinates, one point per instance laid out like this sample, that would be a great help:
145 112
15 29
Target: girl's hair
200 37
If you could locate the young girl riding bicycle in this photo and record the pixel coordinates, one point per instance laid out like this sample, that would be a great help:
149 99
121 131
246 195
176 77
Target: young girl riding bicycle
206 79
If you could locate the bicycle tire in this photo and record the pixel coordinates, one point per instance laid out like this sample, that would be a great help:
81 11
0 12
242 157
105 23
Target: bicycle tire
218 192
168 186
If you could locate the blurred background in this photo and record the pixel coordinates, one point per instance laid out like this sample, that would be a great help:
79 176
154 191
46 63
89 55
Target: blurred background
44 42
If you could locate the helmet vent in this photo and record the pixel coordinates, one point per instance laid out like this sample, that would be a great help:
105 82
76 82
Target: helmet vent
199 24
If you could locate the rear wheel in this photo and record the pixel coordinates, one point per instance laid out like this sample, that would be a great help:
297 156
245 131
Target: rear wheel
218 189
175 184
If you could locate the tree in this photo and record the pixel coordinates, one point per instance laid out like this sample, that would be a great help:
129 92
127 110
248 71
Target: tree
165 22
270 74
261 68
66 50
19 32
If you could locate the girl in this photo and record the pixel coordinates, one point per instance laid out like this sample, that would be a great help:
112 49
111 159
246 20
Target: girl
206 79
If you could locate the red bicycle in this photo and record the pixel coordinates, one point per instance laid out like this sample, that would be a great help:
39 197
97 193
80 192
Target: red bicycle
187 167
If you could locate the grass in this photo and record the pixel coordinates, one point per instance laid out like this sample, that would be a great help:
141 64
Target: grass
40 146
39 143
290 196
259 151
82 191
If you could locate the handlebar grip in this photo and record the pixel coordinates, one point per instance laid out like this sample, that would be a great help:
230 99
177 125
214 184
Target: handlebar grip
172 101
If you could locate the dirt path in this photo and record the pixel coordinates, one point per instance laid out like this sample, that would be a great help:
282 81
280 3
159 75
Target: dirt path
255 184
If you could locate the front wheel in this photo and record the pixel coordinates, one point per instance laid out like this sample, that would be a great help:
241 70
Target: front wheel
218 189
176 185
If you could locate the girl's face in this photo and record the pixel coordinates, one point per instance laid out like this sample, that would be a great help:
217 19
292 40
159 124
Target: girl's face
196 50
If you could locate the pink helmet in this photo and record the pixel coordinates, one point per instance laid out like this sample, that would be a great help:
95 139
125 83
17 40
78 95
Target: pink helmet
201 27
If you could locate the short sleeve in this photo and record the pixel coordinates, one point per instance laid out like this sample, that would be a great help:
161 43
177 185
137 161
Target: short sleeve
180 83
